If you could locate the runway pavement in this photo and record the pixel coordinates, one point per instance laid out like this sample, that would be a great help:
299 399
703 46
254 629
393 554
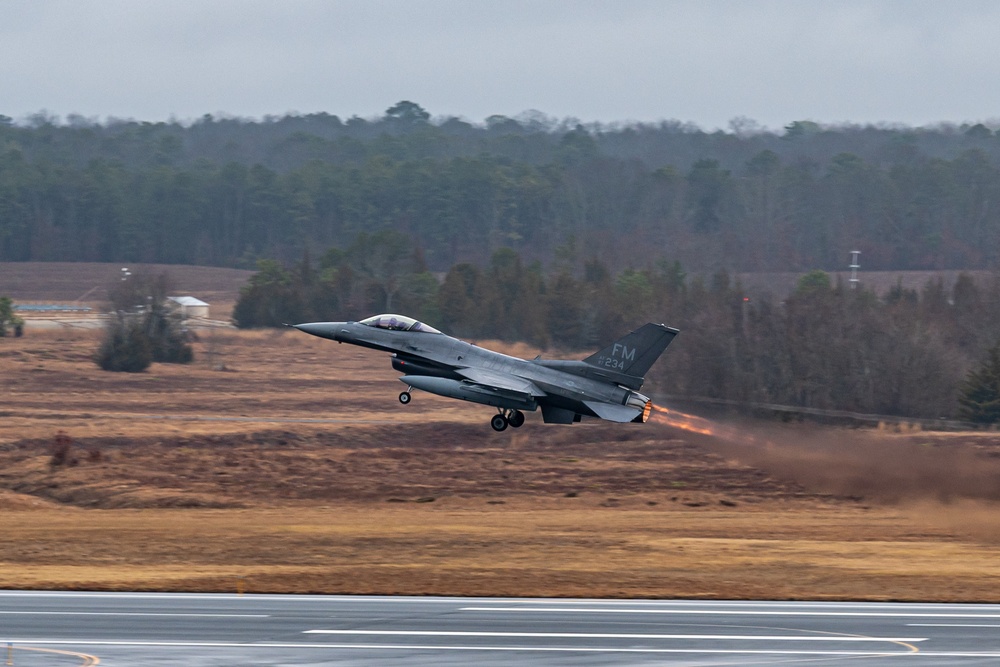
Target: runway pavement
135 629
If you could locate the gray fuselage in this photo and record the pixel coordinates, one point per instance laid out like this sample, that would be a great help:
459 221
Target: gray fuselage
421 353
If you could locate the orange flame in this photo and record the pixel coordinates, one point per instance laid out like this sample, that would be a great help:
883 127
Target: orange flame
683 420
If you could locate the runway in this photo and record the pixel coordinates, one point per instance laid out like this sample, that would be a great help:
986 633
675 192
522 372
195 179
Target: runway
198 630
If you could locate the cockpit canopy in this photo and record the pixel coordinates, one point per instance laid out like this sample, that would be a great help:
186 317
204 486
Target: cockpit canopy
397 323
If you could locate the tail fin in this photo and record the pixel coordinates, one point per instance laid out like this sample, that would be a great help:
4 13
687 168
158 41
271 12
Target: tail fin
634 353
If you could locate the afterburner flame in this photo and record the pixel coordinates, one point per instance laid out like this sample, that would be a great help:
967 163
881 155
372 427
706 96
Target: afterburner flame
683 420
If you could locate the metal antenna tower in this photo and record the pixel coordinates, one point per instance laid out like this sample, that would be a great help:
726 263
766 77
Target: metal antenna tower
854 268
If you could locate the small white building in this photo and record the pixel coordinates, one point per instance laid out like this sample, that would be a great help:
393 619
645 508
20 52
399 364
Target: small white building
190 306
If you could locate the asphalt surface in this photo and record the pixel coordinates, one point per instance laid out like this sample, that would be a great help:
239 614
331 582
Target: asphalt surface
68 628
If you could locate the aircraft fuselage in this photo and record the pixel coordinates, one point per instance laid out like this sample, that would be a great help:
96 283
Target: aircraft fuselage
418 356
565 390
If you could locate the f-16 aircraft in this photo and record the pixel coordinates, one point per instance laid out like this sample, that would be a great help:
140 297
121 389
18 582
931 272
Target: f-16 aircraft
604 385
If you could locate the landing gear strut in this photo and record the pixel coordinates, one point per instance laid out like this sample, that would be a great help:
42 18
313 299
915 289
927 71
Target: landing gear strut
505 418
405 397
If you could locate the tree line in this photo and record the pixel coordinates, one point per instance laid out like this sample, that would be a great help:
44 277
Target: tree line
906 352
227 192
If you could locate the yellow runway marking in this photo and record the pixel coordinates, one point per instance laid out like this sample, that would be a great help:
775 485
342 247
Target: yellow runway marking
88 660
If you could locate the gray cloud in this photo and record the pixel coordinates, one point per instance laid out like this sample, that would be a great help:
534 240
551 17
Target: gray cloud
706 61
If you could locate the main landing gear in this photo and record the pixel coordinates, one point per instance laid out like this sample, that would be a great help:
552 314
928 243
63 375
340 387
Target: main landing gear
505 418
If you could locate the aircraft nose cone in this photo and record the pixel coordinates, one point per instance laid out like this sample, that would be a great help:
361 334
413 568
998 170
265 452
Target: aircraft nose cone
321 329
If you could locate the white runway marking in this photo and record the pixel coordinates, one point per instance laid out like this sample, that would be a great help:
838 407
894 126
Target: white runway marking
127 613
602 635
681 606
725 612
529 649
950 625
246 599
738 603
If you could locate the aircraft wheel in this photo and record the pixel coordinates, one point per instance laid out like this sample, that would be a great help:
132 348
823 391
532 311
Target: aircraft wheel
405 397
516 419
499 422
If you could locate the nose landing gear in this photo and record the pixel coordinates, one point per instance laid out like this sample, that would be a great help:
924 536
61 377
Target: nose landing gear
405 397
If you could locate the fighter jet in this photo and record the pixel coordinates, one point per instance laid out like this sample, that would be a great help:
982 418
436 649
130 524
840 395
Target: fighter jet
604 385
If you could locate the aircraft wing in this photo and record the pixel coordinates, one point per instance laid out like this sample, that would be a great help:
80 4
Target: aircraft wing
501 383
612 412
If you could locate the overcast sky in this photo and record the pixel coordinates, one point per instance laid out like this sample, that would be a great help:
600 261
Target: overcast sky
912 62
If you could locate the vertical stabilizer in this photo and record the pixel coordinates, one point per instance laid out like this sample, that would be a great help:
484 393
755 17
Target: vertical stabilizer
634 353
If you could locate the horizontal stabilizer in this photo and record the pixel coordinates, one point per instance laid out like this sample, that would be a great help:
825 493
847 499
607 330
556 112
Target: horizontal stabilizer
612 412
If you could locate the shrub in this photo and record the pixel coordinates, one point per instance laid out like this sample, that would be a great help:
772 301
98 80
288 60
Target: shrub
126 347
61 446
144 328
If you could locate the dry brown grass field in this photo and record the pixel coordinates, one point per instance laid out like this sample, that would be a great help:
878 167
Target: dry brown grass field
282 462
